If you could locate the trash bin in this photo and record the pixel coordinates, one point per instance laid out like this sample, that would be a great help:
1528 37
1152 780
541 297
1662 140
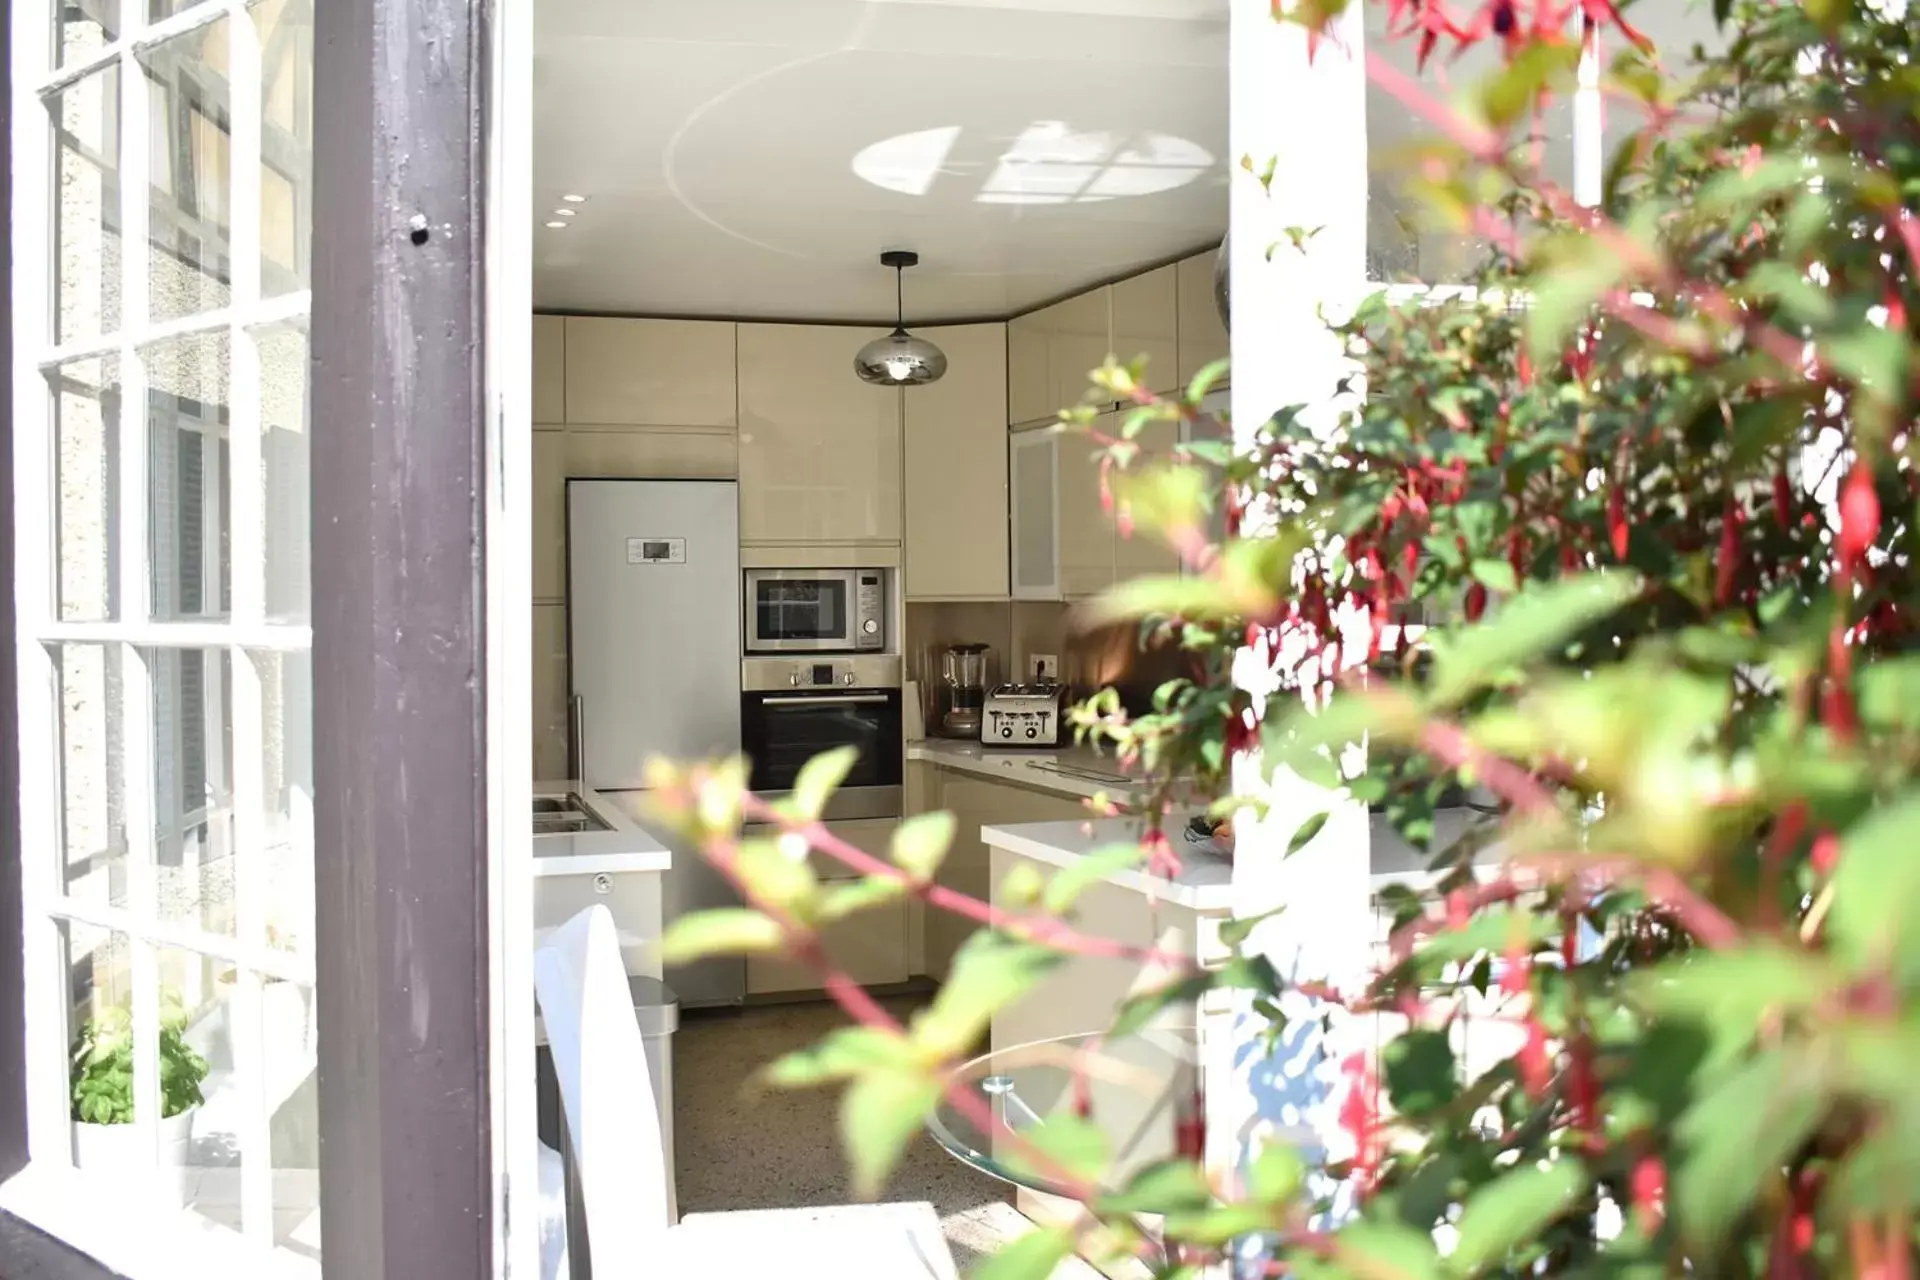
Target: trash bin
657 1009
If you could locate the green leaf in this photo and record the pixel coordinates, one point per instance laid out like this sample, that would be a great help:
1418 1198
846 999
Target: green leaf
1800 298
1303 836
1876 889
1220 1224
879 1115
989 972
729 931
1069 1143
1276 1175
1731 992
838 901
842 1054
1529 626
1736 1137
1497 575
1387 1249
1203 381
1066 886
1166 1186
1504 1214
1421 1072
1033 1256
1565 294
819 778
920 843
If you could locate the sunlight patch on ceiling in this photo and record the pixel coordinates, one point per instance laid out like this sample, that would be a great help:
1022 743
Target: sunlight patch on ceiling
1048 163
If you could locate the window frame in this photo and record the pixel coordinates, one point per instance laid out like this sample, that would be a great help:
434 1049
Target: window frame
399 1192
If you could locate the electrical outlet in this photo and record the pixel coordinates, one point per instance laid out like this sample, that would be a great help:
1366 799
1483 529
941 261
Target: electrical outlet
1046 666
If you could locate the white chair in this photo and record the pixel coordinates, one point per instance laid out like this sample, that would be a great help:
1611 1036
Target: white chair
601 1067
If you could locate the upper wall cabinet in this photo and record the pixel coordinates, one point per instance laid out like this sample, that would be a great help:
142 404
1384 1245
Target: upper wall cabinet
1145 323
819 449
956 472
1203 339
549 371
649 373
1079 336
1029 384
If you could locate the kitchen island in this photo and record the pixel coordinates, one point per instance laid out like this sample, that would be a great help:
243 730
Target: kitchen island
589 847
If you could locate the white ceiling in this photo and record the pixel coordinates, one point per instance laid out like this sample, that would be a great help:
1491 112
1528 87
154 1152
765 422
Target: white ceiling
1023 147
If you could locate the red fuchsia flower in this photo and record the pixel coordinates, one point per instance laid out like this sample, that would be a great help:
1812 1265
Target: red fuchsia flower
1518 976
1617 521
1859 516
1534 1060
1647 1190
1782 498
1727 562
1837 712
1360 1120
1476 603
1826 852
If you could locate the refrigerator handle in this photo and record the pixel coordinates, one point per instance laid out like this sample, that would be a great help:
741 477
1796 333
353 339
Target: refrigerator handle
578 717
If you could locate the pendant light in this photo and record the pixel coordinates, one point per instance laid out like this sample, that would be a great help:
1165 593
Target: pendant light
900 359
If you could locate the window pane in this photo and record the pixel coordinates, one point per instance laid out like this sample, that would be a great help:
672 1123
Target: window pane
98 1007
86 478
83 27
193 786
1406 240
202 1097
284 471
293 1106
86 216
189 173
285 866
286 137
93 772
189 526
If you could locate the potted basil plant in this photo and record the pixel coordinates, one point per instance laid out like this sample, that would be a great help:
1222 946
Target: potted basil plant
104 1136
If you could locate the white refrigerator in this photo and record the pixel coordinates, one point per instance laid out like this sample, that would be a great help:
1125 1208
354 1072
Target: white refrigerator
653 630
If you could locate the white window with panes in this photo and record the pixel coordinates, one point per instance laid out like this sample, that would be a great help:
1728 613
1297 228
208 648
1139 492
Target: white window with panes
162 222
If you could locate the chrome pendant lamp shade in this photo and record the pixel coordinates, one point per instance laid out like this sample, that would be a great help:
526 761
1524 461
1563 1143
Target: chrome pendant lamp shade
899 359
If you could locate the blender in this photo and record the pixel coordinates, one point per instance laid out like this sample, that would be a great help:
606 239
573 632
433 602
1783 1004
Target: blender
963 689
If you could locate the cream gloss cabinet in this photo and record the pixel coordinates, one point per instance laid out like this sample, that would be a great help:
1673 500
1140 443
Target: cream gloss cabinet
549 371
1203 338
820 456
649 373
1145 325
869 946
955 508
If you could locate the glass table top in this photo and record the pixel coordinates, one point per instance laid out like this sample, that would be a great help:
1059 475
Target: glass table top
1138 1089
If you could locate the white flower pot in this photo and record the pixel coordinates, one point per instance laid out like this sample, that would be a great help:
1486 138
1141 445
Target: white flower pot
113 1151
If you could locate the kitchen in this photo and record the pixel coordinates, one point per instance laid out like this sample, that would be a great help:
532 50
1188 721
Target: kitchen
741 545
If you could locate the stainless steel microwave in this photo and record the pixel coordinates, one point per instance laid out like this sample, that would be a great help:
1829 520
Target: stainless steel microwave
816 610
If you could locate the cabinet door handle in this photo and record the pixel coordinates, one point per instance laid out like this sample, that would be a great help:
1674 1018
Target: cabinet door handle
828 700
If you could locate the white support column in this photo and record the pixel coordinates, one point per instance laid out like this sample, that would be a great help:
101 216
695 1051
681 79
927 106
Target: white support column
1309 117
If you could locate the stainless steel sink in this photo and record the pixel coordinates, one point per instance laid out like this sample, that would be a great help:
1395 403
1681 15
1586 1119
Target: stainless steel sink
564 815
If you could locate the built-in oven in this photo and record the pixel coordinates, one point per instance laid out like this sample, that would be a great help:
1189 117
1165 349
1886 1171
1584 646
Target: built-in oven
792 710
816 610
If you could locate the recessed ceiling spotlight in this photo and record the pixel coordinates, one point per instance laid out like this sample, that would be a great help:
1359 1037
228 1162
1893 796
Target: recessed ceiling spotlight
565 213
570 198
558 226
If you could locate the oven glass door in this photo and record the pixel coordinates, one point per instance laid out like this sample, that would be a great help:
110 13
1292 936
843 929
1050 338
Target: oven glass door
802 613
782 731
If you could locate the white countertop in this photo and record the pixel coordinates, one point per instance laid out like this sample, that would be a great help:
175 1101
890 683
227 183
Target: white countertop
1205 881
624 846
1067 771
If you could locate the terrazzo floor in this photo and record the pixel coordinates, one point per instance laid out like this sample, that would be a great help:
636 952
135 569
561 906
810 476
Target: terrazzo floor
735 1149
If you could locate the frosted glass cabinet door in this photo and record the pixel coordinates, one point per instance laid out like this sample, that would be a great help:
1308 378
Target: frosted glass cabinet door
1033 464
819 449
956 475
1087 565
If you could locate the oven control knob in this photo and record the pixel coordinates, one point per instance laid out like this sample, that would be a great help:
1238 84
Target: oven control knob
870 626
1032 732
1006 731
847 678
793 678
